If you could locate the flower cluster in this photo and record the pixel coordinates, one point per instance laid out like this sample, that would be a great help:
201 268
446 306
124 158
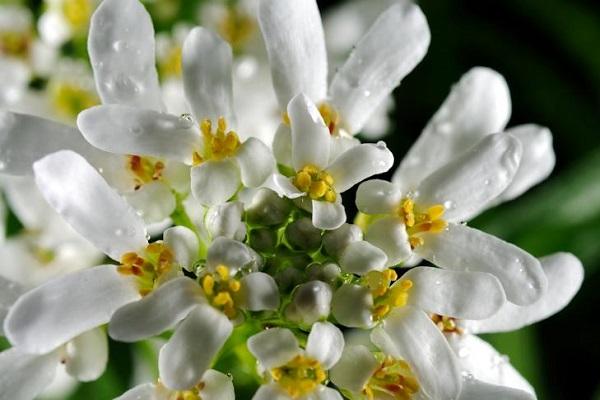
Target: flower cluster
179 202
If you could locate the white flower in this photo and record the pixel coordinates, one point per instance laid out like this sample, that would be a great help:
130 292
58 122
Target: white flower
213 385
203 313
481 361
393 46
292 372
64 19
424 218
132 120
318 176
453 293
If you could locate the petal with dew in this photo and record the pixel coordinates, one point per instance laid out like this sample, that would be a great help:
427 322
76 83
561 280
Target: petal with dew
462 248
24 376
326 215
310 136
207 77
66 307
458 294
396 42
274 347
325 343
417 340
87 355
293 36
83 198
468 183
24 139
156 312
256 162
215 182
565 275
128 130
478 105
121 47
359 163
181 363
378 197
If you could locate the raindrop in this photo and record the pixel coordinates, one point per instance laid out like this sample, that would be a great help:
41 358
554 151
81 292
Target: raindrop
444 128
486 182
119 232
381 145
467 376
367 93
101 170
463 352
135 130
531 285
438 282
118 45
2 166
448 204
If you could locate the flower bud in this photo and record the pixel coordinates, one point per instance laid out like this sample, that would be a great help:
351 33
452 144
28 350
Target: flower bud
328 272
226 220
263 240
267 208
311 302
303 235
337 240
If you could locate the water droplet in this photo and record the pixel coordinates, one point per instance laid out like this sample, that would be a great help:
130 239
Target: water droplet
518 260
119 232
438 282
118 45
467 376
444 128
187 117
521 270
101 170
531 286
486 182
448 204
2 165
367 93
463 352
135 130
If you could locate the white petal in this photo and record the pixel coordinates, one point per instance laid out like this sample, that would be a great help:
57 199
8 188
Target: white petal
359 163
215 182
259 292
232 254
310 136
484 363
295 44
378 197
337 240
565 275
145 391
354 368
129 130
469 182
156 312
153 201
217 386
184 244
351 306
270 392
326 215
464 295
273 347
66 307
9 293
361 257
87 355
340 144
282 145
473 389
256 162
25 139
24 376
283 187
226 220
325 343
207 76
478 105
537 161
323 392
121 47
396 42
462 248
424 347
389 234
181 361
79 193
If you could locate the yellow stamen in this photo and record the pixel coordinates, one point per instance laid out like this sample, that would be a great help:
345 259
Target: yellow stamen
236 27
149 268
218 145
300 376
170 66
392 379
220 290
69 99
316 183
77 12
419 222
144 169
386 294
446 324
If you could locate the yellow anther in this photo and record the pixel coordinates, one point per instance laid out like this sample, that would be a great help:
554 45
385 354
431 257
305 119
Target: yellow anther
446 324
235 286
236 27
285 118
220 290
16 44
418 221
208 284
316 183
149 267
385 294
69 99
77 12
330 116
223 272
144 169
435 212
222 299
381 311
300 376
170 66
393 379
218 145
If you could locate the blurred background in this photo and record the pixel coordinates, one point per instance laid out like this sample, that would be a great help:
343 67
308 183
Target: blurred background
549 53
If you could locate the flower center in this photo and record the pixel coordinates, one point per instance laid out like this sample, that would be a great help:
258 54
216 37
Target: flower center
317 183
170 65
149 268
69 100
144 169
236 27
221 290
446 324
300 376
394 379
419 222
77 12
385 295
329 114
15 44
218 145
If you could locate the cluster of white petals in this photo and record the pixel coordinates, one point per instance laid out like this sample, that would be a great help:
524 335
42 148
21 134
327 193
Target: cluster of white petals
182 203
